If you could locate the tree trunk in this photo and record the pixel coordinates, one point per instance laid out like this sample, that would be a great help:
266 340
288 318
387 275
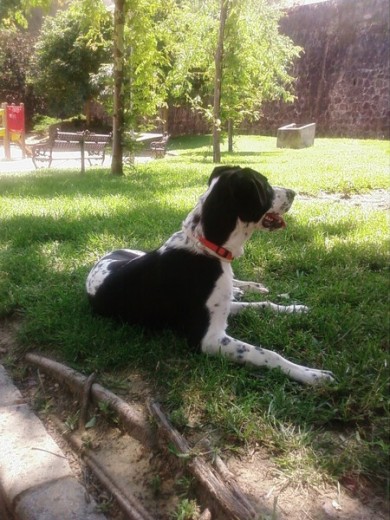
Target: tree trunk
230 135
218 83
118 119
87 111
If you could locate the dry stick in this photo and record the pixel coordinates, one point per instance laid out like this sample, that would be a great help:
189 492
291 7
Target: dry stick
229 498
206 515
129 504
135 424
218 463
85 400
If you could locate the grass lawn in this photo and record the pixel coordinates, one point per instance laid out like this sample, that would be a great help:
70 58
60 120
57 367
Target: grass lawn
332 257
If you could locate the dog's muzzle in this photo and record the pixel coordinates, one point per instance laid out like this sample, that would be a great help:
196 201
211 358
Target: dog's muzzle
282 203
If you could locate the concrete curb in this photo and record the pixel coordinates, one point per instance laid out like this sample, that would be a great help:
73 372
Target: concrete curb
36 481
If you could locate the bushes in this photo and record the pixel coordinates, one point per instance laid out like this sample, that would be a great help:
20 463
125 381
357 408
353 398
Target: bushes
16 49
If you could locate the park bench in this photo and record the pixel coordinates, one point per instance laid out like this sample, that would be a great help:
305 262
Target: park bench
92 147
159 148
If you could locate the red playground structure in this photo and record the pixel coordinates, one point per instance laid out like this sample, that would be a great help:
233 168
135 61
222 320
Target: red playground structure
12 128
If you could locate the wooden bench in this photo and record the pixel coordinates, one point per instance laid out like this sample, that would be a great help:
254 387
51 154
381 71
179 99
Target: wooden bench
159 148
92 147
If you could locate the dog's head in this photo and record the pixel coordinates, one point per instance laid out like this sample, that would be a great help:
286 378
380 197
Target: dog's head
244 194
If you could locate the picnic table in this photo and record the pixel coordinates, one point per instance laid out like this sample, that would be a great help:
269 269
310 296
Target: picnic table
91 146
158 142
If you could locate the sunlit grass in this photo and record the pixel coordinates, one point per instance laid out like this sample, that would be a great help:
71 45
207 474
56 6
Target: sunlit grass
333 165
333 257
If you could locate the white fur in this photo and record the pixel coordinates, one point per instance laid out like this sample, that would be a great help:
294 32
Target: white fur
100 271
220 303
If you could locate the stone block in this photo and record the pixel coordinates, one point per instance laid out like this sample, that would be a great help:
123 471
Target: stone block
28 455
9 394
293 136
62 500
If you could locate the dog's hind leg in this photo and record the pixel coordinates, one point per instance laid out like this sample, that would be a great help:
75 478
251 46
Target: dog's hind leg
237 307
245 353
251 287
102 268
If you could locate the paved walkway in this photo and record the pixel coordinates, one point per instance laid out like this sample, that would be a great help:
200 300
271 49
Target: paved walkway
64 160
36 482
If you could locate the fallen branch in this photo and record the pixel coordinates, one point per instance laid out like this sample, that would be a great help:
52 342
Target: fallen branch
226 498
134 423
222 493
129 504
85 400
218 463
206 515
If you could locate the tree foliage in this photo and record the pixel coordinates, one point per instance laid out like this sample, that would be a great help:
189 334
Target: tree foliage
144 64
134 79
15 12
173 50
66 53
255 61
16 48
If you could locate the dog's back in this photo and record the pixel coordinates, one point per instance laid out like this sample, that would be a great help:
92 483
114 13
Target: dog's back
168 289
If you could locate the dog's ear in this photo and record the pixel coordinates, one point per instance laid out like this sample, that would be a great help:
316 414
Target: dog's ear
252 193
219 216
222 170
238 193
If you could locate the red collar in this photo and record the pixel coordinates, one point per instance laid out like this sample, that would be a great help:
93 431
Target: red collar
225 254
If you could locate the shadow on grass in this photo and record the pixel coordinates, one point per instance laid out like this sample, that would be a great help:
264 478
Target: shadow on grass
201 147
143 184
235 158
46 258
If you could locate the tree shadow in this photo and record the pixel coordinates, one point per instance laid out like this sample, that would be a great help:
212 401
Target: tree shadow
137 183
201 147
47 258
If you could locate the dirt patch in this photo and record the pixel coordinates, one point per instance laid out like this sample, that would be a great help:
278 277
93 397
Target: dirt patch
375 199
155 482
292 499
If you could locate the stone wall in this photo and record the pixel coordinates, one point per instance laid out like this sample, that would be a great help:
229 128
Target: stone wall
343 75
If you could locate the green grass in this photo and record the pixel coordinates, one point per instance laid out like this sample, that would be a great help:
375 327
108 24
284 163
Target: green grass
332 165
333 257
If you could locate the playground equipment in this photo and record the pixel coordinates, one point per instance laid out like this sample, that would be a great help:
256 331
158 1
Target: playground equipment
12 127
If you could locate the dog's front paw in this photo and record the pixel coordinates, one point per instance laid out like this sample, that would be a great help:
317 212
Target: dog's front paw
297 309
318 377
258 288
237 293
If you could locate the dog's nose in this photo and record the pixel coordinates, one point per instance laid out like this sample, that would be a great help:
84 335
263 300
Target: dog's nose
290 195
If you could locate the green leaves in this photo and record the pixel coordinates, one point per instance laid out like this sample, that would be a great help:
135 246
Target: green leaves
67 52
256 57
15 12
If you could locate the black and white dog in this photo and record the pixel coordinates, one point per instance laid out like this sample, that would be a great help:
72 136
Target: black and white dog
187 284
